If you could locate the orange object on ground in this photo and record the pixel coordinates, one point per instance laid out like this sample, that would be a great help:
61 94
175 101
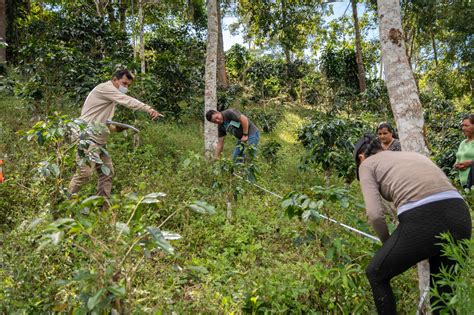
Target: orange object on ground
2 179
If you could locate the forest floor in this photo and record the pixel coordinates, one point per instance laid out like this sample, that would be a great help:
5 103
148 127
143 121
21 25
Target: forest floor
256 260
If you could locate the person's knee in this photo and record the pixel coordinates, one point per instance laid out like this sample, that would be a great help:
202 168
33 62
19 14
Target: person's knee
85 172
371 272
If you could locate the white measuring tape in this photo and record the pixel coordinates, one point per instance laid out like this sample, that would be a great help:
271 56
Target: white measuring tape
321 215
425 291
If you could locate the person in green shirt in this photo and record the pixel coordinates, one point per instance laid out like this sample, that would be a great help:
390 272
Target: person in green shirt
465 154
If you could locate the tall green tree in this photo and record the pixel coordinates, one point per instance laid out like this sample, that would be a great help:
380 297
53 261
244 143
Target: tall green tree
403 93
285 24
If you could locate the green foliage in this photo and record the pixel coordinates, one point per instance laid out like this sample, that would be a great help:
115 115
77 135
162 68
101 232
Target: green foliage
175 70
265 119
329 142
340 68
270 151
60 135
308 208
237 59
111 257
459 278
80 47
444 133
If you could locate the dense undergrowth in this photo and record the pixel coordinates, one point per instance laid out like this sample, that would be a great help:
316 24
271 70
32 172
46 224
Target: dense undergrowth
248 257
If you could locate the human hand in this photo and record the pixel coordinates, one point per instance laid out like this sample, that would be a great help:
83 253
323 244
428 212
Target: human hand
154 114
244 138
463 165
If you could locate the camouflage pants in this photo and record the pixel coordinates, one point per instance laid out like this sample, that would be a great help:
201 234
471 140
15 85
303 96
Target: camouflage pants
84 172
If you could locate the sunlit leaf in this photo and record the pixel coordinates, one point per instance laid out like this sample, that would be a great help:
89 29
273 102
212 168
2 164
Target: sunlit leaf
35 222
56 237
92 200
122 228
117 290
202 207
159 239
170 236
310 215
105 170
94 300
152 198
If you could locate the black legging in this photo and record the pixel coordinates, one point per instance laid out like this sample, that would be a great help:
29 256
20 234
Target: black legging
414 240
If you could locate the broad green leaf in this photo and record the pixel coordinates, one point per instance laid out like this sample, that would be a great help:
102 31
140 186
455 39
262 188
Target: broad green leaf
152 198
63 221
155 195
55 170
186 163
56 237
117 290
159 239
170 236
202 207
92 200
82 274
35 222
305 203
94 300
105 170
344 203
122 228
310 215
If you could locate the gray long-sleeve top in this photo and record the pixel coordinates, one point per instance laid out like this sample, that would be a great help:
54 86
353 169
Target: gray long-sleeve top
400 177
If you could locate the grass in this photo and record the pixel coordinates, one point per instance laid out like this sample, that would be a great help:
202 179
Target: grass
259 261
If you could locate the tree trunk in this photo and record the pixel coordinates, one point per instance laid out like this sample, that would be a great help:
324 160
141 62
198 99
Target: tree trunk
210 96
123 14
404 99
435 50
222 79
360 64
3 32
142 35
111 13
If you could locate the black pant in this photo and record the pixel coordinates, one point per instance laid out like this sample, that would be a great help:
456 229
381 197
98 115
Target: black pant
414 240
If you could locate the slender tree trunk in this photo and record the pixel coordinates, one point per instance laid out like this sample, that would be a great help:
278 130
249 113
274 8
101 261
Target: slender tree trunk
360 64
210 96
435 50
3 32
404 99
122 14
111 12
98 7
142 35
134 32
222 79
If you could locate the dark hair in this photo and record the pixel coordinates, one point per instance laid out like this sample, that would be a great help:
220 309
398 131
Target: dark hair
389 128
470 117
123 72
209 114
367 145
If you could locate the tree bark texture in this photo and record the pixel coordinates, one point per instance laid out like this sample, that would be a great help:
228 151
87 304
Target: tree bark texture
404 99
222 79
360 64
210 96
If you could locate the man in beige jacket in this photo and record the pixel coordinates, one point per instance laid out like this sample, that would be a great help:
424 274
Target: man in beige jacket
98 108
